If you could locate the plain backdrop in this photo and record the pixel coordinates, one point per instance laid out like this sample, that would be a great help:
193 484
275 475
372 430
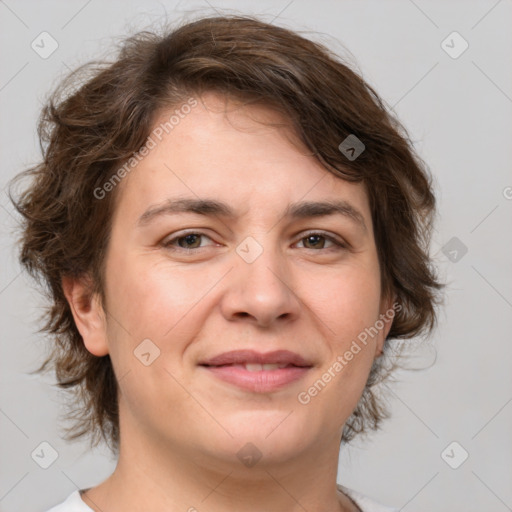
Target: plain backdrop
457 106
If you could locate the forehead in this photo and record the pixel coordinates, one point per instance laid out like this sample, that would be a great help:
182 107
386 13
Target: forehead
246 155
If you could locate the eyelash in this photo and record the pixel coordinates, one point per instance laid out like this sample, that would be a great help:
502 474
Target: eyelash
169 244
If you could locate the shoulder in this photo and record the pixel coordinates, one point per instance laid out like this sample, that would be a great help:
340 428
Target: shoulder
74 503
364 503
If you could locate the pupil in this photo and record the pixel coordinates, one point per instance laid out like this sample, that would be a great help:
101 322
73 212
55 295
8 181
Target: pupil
189 240
314 239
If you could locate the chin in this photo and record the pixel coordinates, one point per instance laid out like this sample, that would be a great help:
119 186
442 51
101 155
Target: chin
277 432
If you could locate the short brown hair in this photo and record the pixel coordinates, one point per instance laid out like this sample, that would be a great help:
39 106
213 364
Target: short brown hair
104 112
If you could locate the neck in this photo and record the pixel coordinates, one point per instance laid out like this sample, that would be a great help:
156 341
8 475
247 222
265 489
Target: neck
151 477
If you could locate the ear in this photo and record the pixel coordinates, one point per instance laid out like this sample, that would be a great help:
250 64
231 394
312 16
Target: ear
386 316
88 313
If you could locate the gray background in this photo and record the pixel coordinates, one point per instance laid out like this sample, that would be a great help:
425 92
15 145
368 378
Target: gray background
458 112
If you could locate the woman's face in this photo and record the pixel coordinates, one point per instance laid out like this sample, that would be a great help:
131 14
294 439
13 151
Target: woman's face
259 266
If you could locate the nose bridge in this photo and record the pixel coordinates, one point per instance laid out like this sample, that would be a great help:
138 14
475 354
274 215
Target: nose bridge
260 284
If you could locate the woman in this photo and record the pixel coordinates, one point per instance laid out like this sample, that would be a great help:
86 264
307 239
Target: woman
233 230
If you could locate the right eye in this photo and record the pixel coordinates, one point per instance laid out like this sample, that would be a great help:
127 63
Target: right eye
185 241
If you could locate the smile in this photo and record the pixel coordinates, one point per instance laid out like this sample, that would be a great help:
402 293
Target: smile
258 378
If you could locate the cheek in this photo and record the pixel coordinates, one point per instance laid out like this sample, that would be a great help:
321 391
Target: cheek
148 303
161 303
349 306
151 298
350 300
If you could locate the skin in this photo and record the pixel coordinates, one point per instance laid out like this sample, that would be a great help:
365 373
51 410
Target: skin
181 427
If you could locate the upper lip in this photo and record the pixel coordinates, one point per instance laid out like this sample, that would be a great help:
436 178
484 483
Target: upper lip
253 357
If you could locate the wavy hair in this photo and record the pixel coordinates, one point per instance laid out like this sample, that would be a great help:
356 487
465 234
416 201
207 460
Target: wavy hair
103 113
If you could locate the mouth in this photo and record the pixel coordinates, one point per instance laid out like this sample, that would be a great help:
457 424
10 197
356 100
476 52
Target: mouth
258 372
253 367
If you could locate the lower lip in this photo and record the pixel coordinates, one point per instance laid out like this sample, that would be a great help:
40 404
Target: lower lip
262 381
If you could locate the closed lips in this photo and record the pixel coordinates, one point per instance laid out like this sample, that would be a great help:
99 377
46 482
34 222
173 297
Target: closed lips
256 361
258 372
256 367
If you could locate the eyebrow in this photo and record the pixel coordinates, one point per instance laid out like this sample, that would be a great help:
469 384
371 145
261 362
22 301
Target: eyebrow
212 207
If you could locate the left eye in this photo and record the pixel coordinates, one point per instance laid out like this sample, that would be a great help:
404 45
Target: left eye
318 241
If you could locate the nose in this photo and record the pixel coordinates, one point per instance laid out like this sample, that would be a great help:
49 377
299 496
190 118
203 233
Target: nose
261 291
